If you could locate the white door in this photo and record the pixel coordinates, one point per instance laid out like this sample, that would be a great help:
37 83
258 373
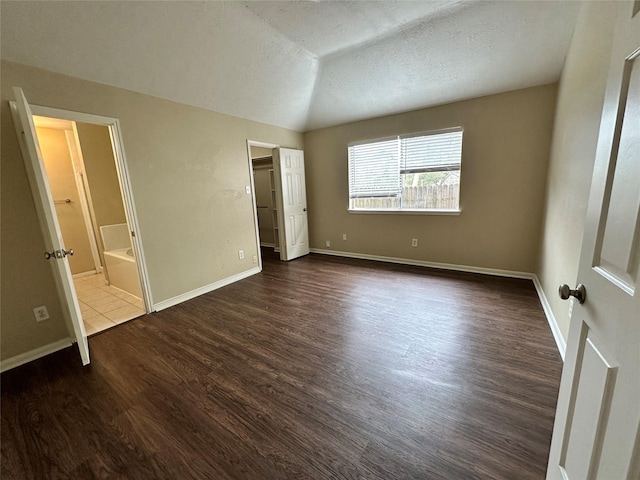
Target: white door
23 121
292 197
597 427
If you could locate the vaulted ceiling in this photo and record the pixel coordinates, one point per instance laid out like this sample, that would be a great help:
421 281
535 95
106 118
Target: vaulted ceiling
296 64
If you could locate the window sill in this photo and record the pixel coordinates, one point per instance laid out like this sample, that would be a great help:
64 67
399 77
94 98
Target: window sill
407 212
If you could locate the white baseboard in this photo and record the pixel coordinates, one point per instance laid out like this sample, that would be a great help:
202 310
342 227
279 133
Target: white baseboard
422 263
34 354
268 245
551 320
202 290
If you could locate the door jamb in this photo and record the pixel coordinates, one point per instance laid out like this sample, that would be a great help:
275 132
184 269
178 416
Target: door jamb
77 161
113 124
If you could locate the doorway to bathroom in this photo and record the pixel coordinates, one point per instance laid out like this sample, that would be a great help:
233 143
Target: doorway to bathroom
86 191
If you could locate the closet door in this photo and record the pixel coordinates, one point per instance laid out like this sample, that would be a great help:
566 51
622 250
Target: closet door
291 198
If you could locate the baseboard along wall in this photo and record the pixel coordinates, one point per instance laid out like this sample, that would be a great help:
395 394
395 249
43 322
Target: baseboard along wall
205 289
34 354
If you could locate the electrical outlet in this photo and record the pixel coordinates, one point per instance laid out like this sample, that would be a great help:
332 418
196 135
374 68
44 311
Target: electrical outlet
414 242
344 236
255 259
241 254
327 243
247 189
41 313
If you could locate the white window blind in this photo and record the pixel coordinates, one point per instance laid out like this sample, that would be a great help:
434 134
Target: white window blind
408 172
435 152
374 169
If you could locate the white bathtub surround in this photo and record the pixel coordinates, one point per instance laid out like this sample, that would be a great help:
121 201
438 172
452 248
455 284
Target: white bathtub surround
104 306
119 259
123 271
115 237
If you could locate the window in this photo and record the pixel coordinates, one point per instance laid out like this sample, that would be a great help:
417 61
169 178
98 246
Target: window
417 172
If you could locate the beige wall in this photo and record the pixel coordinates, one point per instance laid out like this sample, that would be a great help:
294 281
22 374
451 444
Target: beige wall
580 101
62 181
102 177
188 169
504 163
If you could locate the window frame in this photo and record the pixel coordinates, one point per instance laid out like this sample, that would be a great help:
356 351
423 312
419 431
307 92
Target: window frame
402 171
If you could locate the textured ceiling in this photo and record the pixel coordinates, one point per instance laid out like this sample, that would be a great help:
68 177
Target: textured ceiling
300 65
328 27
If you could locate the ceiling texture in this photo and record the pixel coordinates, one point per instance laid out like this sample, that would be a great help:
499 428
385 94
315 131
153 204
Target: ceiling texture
300 65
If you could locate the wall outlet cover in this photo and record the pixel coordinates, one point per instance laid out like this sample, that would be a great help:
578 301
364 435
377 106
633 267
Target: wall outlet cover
327 243
41 313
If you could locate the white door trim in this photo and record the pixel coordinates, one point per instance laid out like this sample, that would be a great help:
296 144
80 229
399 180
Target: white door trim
123 177
77 162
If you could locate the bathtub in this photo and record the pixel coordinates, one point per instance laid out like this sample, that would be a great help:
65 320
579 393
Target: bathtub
122 270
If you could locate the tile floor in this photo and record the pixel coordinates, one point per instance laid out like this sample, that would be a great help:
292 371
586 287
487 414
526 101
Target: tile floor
103 306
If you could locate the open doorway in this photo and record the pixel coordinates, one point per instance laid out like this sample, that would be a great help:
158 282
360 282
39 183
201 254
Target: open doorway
281 170
264 184
81 168
260 156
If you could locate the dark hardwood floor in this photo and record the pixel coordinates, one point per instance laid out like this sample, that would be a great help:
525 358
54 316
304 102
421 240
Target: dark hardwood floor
320 368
